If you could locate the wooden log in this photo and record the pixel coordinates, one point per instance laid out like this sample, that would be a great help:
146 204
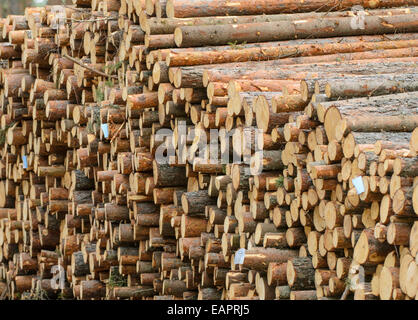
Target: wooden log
369 250
203 8
188 36
300 273
195 202
257 258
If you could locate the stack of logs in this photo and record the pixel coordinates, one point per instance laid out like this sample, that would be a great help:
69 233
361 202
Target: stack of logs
320 202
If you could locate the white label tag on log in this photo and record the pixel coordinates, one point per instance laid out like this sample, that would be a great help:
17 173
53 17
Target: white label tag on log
25 162
358 184
105 129
239 256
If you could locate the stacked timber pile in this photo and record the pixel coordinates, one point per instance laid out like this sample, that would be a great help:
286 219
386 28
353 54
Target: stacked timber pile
313 106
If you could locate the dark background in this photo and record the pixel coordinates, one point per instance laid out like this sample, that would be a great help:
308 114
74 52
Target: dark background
18 6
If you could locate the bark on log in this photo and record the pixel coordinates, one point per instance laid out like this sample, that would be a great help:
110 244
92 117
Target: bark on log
202 8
